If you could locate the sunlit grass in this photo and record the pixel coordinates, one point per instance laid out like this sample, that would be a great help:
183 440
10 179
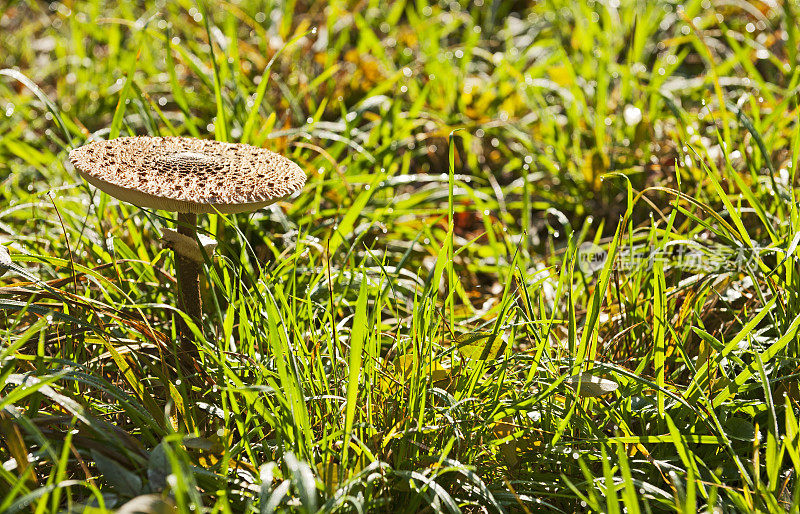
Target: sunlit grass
401 335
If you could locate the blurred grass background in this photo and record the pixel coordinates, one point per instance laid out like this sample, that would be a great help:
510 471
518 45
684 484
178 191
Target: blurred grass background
396 338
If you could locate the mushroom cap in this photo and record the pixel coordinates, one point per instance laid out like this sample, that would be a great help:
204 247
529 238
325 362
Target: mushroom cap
184 174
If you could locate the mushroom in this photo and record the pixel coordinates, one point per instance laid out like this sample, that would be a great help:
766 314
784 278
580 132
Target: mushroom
188 176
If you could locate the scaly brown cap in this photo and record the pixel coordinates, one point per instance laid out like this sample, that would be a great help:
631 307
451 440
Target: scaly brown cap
183 174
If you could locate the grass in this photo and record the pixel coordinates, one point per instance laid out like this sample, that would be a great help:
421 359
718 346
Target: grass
397 337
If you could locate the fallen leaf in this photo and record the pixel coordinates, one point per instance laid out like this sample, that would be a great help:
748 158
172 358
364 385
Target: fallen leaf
591 385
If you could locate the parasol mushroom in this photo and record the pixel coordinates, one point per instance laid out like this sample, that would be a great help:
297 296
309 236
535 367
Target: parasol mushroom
188 176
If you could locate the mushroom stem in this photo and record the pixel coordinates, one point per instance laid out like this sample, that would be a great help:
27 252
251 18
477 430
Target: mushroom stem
188 272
